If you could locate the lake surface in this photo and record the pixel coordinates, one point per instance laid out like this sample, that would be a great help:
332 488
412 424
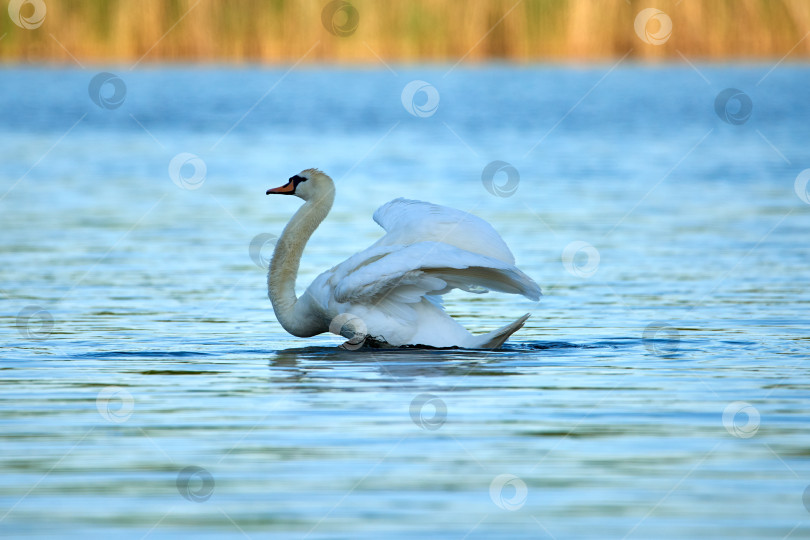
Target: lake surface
661 388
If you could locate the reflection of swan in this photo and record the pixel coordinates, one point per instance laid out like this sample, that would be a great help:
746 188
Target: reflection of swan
391 292
289 367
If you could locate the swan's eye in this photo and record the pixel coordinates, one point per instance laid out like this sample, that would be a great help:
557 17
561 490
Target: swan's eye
297 179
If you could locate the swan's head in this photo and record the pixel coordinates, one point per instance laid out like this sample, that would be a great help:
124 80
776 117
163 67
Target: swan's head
308 184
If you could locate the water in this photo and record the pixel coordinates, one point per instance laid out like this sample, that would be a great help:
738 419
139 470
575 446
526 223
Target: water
138 340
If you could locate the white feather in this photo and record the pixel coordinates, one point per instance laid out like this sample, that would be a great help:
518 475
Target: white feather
394 287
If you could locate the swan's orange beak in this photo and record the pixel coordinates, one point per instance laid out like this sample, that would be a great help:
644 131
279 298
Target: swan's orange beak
286 189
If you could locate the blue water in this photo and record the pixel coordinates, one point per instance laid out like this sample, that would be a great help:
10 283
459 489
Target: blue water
660 390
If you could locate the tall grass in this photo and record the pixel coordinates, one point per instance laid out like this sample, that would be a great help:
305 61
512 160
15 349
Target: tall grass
274 31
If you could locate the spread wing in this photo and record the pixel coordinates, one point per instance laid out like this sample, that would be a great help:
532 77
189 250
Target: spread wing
409 222
406 274
428 251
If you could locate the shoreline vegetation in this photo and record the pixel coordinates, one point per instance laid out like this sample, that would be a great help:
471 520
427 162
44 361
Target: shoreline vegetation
401 31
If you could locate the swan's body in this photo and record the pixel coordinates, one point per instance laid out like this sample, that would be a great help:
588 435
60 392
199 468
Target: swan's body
391 291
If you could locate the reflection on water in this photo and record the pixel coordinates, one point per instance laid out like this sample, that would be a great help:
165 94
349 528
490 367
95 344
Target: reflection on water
658 391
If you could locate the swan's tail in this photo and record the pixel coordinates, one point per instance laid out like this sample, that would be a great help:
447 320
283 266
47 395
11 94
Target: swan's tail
496 338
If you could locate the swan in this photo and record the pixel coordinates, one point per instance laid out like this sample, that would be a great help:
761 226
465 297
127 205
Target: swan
390 293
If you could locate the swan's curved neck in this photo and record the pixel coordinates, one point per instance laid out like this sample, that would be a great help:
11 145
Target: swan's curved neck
286 260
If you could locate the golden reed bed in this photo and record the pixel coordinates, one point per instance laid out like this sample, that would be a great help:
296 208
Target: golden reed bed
366 31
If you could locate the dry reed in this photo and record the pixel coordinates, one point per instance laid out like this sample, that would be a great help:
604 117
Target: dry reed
286 31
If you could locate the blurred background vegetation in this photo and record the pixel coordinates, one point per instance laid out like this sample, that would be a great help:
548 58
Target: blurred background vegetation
286 31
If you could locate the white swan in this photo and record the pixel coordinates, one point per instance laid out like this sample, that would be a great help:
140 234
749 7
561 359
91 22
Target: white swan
391 292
